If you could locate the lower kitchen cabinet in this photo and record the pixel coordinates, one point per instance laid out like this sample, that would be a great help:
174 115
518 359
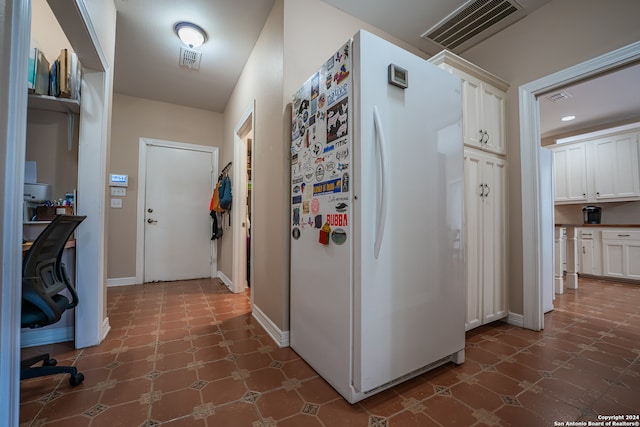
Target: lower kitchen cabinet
621 254
589 248
486 237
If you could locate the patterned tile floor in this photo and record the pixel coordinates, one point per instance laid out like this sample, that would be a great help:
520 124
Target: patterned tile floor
189 354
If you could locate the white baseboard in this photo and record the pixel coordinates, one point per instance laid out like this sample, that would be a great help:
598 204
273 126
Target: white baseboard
280 337
35 337
516 319
122 281
228 283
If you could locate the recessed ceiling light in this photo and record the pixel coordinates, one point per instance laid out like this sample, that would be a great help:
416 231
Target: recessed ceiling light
568 118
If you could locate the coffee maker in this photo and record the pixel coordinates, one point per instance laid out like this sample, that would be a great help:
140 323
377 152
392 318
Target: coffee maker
591 214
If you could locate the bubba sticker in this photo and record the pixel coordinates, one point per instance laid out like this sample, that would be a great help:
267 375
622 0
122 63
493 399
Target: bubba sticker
337 220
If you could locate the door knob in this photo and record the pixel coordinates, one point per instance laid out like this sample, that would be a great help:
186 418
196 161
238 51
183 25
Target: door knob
151 221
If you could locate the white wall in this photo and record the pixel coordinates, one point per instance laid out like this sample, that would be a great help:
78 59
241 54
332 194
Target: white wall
135 118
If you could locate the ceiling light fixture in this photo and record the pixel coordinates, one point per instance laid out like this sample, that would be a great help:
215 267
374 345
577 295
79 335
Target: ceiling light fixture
190 34
568 118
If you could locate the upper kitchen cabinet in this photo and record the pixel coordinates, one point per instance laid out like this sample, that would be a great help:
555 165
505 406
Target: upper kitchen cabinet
600 166
616 166
570 174
483 97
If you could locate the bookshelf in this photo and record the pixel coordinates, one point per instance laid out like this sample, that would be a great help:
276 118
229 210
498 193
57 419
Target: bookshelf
52 103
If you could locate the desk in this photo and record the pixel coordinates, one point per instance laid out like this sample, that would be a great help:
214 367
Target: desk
71 243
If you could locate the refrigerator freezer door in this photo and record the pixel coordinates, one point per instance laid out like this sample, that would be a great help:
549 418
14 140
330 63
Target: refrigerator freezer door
321 237
409 298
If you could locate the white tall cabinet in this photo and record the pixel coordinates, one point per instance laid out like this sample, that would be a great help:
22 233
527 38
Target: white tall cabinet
485 166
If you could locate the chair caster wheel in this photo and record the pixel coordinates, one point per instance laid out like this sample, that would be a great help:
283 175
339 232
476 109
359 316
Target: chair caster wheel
50 362
76 379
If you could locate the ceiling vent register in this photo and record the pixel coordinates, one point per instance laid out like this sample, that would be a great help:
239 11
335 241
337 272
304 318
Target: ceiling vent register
190 58
473 22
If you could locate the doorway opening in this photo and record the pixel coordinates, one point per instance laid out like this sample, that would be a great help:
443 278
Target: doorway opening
243 173
534 236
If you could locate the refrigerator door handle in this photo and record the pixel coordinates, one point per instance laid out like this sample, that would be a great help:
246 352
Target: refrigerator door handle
382 205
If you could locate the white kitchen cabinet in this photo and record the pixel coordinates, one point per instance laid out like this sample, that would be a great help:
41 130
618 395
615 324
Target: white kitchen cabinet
570 170
483 97
616 166
486 237
602 166
621 254
589 245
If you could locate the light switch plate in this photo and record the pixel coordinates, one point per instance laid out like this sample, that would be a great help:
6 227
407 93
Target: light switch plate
116 203
118 191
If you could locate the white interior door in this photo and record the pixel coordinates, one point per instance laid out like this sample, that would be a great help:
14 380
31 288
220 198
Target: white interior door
177 225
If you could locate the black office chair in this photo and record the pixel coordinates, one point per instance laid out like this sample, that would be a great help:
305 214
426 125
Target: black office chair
44 277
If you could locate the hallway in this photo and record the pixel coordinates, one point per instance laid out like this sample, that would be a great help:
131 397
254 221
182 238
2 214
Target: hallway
190 354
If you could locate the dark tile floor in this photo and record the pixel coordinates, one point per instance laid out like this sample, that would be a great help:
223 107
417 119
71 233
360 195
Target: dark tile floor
190 354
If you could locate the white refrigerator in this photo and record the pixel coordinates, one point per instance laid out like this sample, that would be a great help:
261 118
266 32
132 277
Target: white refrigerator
377 252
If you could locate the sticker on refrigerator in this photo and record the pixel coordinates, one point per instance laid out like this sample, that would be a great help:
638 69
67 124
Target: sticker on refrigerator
345 182
342 74
309 173
315 206
316 149
295 233
296 216
319 172
305 207
341 207
325 232
296 200
337 93
338 220
327 187
315 86
337 120
339 236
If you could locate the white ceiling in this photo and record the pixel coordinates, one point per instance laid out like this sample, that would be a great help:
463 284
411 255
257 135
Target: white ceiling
147 49
147 53
605 99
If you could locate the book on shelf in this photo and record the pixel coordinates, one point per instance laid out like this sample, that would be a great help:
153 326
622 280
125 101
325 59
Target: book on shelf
42 74
33 68
64 74
54 79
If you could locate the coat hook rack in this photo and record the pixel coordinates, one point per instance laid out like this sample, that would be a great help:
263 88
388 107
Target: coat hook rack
225 169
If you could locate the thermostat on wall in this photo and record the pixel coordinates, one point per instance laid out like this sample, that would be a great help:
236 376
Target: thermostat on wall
118 180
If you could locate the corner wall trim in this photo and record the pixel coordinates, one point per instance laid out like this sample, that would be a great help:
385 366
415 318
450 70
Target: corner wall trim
516 319
122 281
228 283
106 328
280 337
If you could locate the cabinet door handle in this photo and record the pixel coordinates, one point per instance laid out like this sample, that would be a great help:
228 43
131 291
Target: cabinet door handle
486 141
583 250
624 235
481 190
488 190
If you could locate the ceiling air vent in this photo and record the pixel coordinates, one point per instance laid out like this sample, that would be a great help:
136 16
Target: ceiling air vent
560 96
190 58
473 22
